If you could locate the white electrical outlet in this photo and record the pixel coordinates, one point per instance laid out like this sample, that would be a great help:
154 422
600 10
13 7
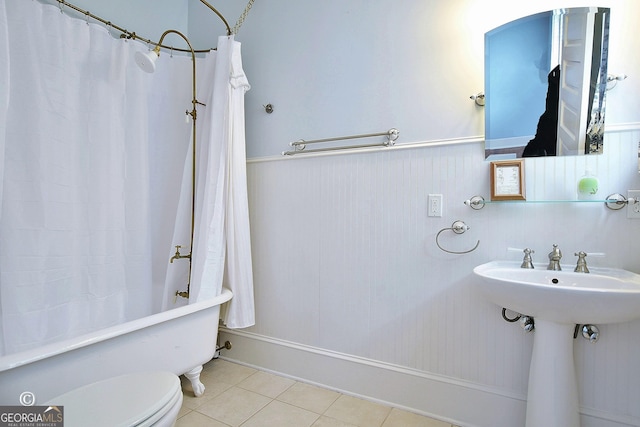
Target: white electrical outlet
633 209
434 205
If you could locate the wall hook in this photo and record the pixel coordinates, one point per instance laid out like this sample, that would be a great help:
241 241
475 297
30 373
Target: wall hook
613 79
458 227
476 202
268 108
478 98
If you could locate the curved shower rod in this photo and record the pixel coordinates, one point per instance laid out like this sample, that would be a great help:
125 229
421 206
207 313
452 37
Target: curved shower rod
132 35
219 15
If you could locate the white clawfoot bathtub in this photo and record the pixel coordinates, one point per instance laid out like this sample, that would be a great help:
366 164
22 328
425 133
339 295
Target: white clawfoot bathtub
179 340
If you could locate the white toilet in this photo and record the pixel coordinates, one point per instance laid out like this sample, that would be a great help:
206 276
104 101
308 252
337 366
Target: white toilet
139 399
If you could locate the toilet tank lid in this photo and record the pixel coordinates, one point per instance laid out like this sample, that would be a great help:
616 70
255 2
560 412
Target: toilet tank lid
125 400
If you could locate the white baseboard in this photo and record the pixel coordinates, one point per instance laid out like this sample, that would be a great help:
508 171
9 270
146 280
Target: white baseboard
448 399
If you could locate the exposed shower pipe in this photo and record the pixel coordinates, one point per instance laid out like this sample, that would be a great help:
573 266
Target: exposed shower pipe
147 62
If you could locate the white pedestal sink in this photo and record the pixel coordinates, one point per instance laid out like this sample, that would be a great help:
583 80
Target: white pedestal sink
558 300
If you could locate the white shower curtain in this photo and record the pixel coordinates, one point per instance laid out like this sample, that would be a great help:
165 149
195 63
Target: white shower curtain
221 246
222 243
91 164
74 251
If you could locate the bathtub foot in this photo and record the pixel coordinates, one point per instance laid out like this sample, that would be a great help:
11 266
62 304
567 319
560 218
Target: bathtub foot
194 376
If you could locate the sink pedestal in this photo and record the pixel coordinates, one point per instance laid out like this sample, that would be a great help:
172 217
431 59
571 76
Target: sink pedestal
558 300
552 399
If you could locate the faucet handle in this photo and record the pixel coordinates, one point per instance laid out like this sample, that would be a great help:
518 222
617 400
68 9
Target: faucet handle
591 333
526 261
581 266
581 255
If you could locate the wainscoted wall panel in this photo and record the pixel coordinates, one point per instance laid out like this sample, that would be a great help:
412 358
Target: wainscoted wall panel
345 261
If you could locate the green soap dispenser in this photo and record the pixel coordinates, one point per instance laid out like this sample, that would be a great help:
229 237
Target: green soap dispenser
588 187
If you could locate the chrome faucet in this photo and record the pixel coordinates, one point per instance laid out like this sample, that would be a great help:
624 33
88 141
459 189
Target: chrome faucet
554 259
526 261
581 266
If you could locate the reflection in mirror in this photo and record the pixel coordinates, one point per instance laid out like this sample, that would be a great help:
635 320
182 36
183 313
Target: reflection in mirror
545 83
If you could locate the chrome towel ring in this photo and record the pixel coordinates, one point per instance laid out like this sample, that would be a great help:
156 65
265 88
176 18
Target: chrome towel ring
458 227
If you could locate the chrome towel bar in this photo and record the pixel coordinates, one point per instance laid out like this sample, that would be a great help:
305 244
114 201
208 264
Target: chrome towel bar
300 145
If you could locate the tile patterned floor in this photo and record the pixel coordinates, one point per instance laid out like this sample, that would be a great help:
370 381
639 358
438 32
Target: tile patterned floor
240 396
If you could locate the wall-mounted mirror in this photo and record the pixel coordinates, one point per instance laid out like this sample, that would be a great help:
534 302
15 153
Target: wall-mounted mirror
545 84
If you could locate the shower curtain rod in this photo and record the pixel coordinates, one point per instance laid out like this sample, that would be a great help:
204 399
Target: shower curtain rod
391 134
132 35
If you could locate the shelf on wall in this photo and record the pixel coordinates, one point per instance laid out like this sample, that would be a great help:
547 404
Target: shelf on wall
614 201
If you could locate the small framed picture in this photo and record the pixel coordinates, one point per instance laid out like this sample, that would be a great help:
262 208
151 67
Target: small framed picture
507 180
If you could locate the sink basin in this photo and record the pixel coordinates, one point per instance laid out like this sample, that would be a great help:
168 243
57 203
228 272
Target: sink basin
558 300
605 295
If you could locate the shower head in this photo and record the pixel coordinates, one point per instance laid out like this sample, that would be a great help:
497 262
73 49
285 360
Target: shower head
147 61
